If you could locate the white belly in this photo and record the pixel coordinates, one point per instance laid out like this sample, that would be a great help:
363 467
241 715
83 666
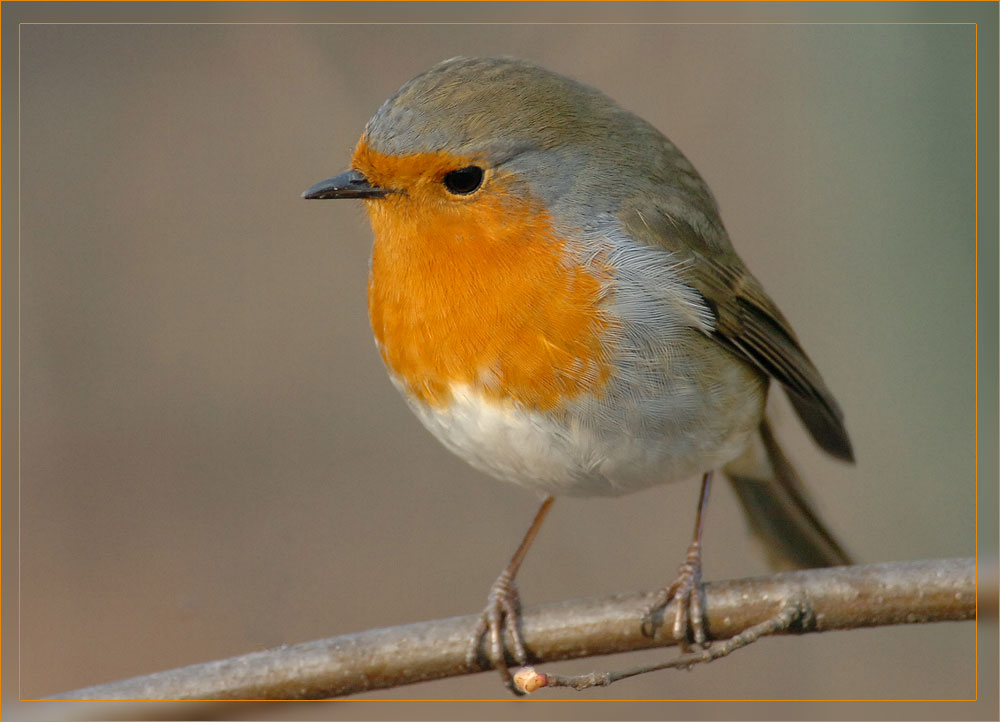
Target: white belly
596 447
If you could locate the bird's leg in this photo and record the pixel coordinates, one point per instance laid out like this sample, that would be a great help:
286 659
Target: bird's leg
686 590
503 602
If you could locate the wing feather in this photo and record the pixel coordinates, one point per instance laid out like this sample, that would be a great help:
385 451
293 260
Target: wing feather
749 323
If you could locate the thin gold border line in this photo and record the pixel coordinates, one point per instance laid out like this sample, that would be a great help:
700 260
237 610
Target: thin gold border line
505 699
19 361
976 359
682 23
645 1
1 359
493 23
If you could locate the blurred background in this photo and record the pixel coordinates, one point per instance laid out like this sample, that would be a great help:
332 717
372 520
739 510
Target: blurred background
214 462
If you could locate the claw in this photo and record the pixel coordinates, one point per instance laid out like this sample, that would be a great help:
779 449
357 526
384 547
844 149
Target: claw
689 605
503 604
685 592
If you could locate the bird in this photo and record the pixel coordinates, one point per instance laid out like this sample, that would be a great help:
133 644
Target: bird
554 293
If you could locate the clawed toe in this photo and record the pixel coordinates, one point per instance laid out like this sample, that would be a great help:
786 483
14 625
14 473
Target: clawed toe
502 610
685 592
688 610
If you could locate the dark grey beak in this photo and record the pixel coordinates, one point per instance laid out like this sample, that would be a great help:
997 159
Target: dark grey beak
346 185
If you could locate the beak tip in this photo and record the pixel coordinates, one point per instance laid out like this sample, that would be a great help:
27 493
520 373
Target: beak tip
351 184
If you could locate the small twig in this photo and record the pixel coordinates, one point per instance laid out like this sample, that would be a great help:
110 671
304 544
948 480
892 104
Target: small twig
791 612
839 598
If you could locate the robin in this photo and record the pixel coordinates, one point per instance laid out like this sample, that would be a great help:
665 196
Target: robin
554 293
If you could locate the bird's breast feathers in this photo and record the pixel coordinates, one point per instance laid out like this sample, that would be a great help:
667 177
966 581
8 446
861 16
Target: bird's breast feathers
563 363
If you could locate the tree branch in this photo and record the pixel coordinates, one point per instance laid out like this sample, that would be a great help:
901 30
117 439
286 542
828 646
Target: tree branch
838 598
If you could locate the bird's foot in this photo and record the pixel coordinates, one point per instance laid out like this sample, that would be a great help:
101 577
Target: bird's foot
502 605
689 604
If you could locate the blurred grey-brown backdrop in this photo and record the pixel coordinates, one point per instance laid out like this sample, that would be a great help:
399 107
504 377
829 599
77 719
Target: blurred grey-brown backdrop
213 461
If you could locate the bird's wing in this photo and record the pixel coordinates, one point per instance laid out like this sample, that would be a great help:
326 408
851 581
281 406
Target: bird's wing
748 322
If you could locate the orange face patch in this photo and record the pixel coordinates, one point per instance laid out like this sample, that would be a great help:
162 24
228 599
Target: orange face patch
477 289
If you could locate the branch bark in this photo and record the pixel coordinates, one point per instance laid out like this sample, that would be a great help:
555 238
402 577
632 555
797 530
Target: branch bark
838 598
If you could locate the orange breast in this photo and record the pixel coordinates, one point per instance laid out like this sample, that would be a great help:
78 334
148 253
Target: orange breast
477 290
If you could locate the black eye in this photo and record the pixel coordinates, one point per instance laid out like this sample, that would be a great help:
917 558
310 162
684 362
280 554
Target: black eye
464 181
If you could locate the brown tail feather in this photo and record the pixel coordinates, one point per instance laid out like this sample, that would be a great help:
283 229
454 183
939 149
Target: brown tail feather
771 495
